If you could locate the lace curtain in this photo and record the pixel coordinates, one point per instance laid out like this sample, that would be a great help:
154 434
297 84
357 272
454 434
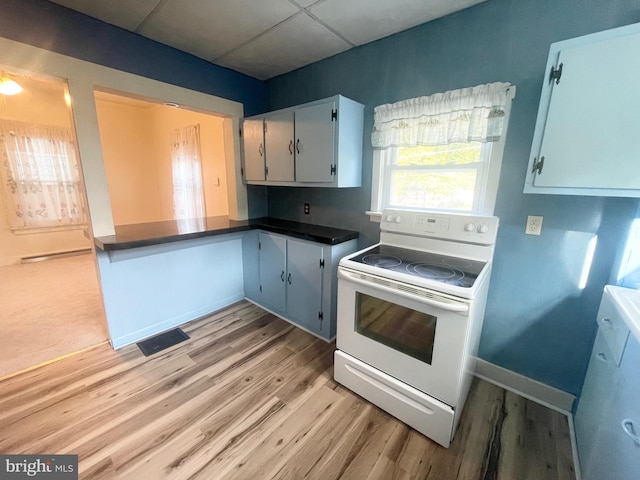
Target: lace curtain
458 116
188 195
40 176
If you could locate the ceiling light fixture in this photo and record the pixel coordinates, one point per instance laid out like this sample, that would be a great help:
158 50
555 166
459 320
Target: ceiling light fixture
8 86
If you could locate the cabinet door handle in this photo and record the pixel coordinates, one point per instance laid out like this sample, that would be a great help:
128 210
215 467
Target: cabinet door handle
630 429
291 147
282 276
298 146
601 356
260 150
289 279
606 321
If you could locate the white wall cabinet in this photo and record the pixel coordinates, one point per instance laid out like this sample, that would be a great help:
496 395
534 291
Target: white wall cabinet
607 420
279 136
586 138
254 152
294 279
317 144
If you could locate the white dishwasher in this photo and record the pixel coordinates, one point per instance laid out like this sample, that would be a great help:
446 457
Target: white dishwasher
607 420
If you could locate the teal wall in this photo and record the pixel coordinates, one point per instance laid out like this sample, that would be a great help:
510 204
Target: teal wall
538 321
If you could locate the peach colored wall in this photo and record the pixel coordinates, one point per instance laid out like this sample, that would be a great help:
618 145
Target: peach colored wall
44 106
136 151
126 134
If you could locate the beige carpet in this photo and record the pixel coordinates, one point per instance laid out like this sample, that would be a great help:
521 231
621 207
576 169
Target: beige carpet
48 309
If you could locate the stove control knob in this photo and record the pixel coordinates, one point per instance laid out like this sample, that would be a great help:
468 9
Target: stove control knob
470 227
389 218
398 219
483 228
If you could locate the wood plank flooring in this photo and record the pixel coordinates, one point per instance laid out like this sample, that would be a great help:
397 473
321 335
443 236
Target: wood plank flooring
251 397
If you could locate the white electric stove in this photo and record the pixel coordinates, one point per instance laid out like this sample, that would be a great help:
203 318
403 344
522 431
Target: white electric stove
410 312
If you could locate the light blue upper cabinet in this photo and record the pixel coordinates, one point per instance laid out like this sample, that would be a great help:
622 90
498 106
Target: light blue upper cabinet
317 144
587 135
253 153
279 135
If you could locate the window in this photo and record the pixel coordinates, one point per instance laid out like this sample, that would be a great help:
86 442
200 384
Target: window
441 153
188 197
41 179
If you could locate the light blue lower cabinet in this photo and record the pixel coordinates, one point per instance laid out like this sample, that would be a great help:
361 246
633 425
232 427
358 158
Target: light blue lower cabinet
272 255
305 269
607 420
296 279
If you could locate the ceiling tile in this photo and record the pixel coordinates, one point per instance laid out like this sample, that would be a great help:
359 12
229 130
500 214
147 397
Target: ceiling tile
363 21
122 13
275 53
209 29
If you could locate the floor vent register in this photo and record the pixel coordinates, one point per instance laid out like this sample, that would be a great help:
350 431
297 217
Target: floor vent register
162 341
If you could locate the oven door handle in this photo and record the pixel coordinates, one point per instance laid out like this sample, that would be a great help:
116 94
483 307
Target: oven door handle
451 307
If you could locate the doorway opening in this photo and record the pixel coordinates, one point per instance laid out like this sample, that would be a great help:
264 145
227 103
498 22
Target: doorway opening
162 162
50 294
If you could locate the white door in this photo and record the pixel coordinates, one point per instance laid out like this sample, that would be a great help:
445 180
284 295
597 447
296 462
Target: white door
279 140
254 152
315 137
418 340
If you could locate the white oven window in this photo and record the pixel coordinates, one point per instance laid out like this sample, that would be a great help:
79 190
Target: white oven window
398 327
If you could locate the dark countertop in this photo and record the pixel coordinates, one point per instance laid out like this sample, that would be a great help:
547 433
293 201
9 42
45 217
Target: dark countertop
155 233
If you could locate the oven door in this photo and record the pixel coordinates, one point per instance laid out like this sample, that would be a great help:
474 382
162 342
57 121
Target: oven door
415 335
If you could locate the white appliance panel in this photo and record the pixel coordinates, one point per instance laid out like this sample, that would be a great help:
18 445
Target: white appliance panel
449 340
418 410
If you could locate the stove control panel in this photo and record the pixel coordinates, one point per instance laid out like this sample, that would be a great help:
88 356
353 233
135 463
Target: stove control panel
446 226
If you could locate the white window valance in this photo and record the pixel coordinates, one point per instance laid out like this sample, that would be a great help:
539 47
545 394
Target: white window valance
474 114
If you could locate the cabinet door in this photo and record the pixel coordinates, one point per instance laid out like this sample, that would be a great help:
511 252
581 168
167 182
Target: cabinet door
315 137
304 283
615 453
272 271
595 402
590 137
254 151
279 141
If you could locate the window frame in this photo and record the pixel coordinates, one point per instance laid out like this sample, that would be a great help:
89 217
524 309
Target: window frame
486 195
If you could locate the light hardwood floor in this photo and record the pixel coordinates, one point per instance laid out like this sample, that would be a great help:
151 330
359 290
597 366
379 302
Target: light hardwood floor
251 397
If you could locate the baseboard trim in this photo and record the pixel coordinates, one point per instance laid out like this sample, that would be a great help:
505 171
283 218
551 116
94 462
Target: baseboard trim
173 322
550 397
290 321
574 448
53 255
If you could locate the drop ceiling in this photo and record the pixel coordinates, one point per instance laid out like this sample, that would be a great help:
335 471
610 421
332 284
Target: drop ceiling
266 38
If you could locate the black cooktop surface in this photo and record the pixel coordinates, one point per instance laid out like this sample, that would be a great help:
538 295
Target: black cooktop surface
442 268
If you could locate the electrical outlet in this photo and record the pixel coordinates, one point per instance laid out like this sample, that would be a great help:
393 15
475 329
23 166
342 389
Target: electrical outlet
534 225
306 209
